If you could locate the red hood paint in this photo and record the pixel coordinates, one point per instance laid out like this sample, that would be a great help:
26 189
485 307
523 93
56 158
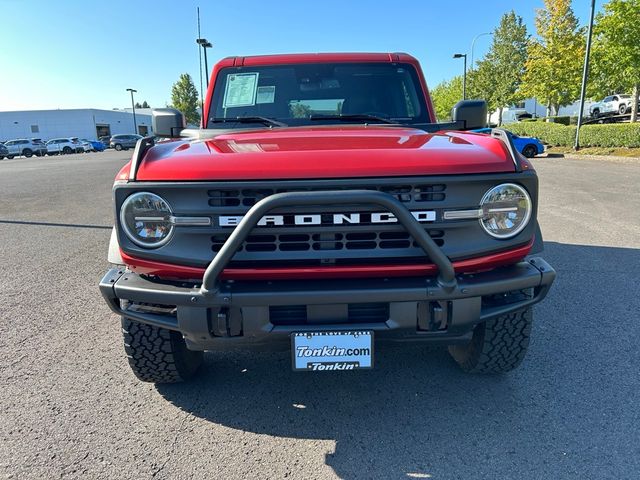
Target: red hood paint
324 152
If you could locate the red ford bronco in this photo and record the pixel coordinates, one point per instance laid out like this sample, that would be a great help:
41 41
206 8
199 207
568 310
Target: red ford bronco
321 207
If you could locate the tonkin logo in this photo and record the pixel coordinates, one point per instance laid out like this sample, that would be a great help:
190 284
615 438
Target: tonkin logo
326 219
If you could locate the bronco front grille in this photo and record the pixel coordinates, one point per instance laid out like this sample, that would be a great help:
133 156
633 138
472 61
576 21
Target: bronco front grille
302 242
345 234
408 193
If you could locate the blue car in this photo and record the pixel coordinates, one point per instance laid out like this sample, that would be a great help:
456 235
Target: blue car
95 144
528 146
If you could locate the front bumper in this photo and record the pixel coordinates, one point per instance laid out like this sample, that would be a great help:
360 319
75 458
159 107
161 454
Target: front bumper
239 312
217 313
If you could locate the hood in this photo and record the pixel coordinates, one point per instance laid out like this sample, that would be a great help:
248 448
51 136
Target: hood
324 152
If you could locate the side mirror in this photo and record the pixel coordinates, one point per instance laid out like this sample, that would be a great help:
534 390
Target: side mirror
472 113
167 122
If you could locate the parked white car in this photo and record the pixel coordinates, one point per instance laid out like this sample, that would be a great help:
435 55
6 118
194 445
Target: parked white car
65 146
86 146
611 105
25 147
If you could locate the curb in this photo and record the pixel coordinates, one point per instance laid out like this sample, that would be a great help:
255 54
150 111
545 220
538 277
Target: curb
602 158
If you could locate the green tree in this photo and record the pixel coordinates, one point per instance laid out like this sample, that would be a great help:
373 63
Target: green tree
445 95
184 97
300 110
480 84
145 105
498 76
616 51
553 70
137 105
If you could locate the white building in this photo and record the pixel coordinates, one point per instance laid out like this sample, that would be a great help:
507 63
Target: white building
88 123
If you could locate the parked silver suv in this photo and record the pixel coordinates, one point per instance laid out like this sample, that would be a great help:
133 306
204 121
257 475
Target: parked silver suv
123 142
26 148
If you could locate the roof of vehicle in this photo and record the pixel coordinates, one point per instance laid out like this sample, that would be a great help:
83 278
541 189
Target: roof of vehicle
290 58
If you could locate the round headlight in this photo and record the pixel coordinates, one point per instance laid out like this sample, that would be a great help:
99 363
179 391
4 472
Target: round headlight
146 219
506 210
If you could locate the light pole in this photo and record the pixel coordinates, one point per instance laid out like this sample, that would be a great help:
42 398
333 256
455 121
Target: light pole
585 75
464 77
204 43
473 43
133 106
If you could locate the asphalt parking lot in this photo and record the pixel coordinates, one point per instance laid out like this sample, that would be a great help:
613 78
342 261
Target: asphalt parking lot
71 407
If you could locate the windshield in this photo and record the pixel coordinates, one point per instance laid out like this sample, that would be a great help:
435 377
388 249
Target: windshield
311 94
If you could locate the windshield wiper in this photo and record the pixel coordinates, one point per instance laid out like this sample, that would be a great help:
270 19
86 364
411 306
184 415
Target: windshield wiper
253 119
355 116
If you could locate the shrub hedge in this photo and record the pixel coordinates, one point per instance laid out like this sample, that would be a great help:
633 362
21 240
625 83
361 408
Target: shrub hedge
558 135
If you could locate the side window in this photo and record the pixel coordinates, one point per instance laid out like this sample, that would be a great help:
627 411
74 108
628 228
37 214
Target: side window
615 99
607 99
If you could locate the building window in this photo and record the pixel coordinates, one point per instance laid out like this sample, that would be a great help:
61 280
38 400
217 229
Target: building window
35 129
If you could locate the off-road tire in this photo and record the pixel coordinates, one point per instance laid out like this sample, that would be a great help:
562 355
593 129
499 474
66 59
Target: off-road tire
158 355
498 345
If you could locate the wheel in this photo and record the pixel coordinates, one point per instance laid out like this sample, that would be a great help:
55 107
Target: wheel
67 150
118 147
27 152
497 346
622 110
158 355
10 157
596 112
530 151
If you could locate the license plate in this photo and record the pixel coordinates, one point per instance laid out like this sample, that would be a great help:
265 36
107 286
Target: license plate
320 351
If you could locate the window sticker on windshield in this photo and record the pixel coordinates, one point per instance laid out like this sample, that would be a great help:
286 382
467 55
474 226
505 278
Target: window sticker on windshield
240 90
266 94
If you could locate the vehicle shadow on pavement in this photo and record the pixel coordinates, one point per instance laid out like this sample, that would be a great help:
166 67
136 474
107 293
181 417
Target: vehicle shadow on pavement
417 416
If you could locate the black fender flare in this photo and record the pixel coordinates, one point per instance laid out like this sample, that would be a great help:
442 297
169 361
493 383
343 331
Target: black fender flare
538 241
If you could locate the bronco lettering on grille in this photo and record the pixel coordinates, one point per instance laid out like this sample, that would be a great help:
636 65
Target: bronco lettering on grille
333 219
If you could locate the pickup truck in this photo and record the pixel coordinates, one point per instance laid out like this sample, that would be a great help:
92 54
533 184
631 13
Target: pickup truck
321 208
611 105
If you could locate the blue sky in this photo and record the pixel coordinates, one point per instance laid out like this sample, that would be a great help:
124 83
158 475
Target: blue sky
80 54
